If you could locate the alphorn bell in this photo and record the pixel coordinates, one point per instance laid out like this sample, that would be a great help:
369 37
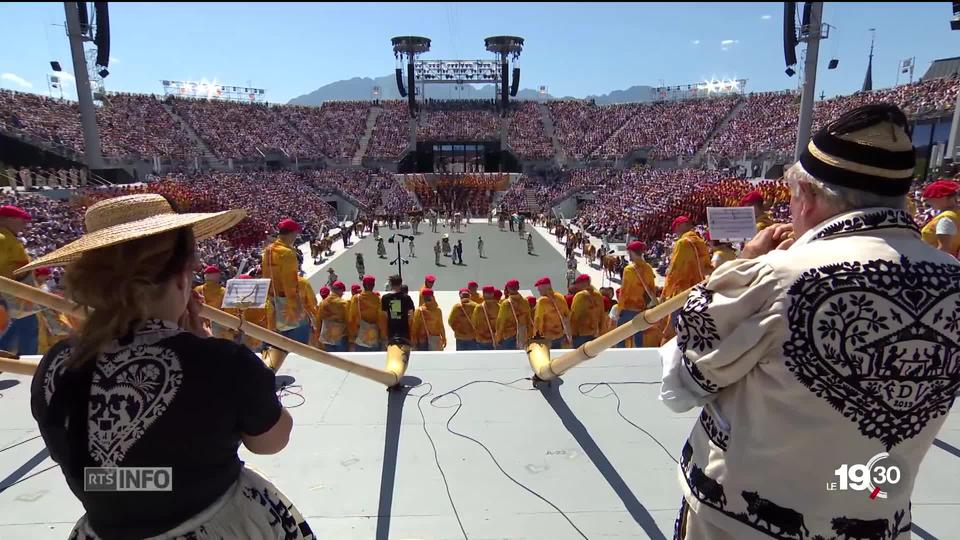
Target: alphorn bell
398 356
547 369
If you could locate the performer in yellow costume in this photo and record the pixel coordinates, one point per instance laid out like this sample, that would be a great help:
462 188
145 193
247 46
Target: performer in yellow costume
689 265
755 199
551 317
586 314
367 321
428 333
281 266
941 231
461 323
638 292
514 322
212 292
484 319
333 316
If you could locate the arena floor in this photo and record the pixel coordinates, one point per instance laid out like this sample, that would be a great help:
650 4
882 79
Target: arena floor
365 463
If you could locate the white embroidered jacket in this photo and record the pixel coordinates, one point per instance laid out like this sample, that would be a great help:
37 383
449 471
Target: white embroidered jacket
841 348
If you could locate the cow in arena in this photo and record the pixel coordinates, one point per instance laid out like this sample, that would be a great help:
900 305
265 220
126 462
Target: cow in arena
610 265
789 522
860 529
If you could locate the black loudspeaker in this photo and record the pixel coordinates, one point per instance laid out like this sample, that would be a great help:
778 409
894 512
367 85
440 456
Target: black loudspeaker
102 40
503 85
55 66
84 17
515 86
833 63
400 88
805 17
411 91
789 33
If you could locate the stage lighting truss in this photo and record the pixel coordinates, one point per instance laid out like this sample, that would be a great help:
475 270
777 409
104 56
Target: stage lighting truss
457 71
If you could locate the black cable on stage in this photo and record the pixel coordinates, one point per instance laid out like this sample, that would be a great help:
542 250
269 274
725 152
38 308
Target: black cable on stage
288 390
609 385
19 443
459 406
25 478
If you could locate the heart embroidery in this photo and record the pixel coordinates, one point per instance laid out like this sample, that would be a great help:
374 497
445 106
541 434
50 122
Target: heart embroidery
131 389
879 341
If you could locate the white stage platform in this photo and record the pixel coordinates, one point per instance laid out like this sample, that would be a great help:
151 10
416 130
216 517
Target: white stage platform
360 464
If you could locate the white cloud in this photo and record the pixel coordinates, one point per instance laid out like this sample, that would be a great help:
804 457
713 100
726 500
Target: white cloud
64 76
114 60
729 42
766 17
16 79
695 42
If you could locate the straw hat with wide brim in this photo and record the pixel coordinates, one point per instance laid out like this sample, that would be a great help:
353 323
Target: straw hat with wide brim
121 219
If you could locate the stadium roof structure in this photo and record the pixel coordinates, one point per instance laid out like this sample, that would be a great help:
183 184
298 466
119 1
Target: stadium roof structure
943 68
454 455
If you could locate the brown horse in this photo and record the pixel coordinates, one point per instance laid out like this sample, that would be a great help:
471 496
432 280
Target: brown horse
610 265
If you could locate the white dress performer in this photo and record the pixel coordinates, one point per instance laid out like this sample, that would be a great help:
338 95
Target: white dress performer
815 356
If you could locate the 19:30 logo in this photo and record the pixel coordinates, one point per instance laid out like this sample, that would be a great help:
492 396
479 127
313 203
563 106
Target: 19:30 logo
881 475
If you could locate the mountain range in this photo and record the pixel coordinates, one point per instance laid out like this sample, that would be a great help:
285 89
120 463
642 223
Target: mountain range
361 88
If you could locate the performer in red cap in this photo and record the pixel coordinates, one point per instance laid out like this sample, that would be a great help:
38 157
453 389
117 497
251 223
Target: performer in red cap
941 231
281 267
21 334
428 333
461 323
532 300
428 282
514 322
586 313
689 265
475 297
721 252
262 317
485 319
638 292
54 326
551 318
324 292
755 199
212 292
333 316
367 322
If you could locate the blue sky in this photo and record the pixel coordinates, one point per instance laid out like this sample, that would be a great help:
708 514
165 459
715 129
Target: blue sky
575 49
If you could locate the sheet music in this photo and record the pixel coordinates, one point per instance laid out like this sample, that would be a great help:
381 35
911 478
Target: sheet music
732 224
246 293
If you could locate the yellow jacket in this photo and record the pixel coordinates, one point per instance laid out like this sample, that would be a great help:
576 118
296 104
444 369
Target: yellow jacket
280 265
460 319
485 324
639 287
721 255
586 314
366 307
427 323
476 298
689 264
212 294
514 311
308 299
763 221
929 231
549 315
262 317
12 253
332 312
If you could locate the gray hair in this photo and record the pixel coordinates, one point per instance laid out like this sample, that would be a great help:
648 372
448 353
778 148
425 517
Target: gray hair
839 198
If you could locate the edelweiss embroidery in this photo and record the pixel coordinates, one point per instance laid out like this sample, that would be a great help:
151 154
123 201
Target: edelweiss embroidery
697 331
883 219
888 361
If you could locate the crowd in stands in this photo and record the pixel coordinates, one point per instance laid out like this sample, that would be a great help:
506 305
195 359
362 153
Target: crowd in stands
134 125
458 120
391 134
470 194
40 117
374 190
582 127
242 130
526 135
336 127
54 224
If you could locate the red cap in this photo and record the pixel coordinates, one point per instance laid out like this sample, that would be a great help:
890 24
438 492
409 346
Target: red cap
751 198
607 303
939 189
212 269
512 285
42 271
377 293
489 289
355 288
542 281
618 293
679 221
464 291
244 276
473 284
339 285
324 291
427 293
369 280
569 299
582 278
498 294
636 246
9 211
288 225
532 300
430 278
